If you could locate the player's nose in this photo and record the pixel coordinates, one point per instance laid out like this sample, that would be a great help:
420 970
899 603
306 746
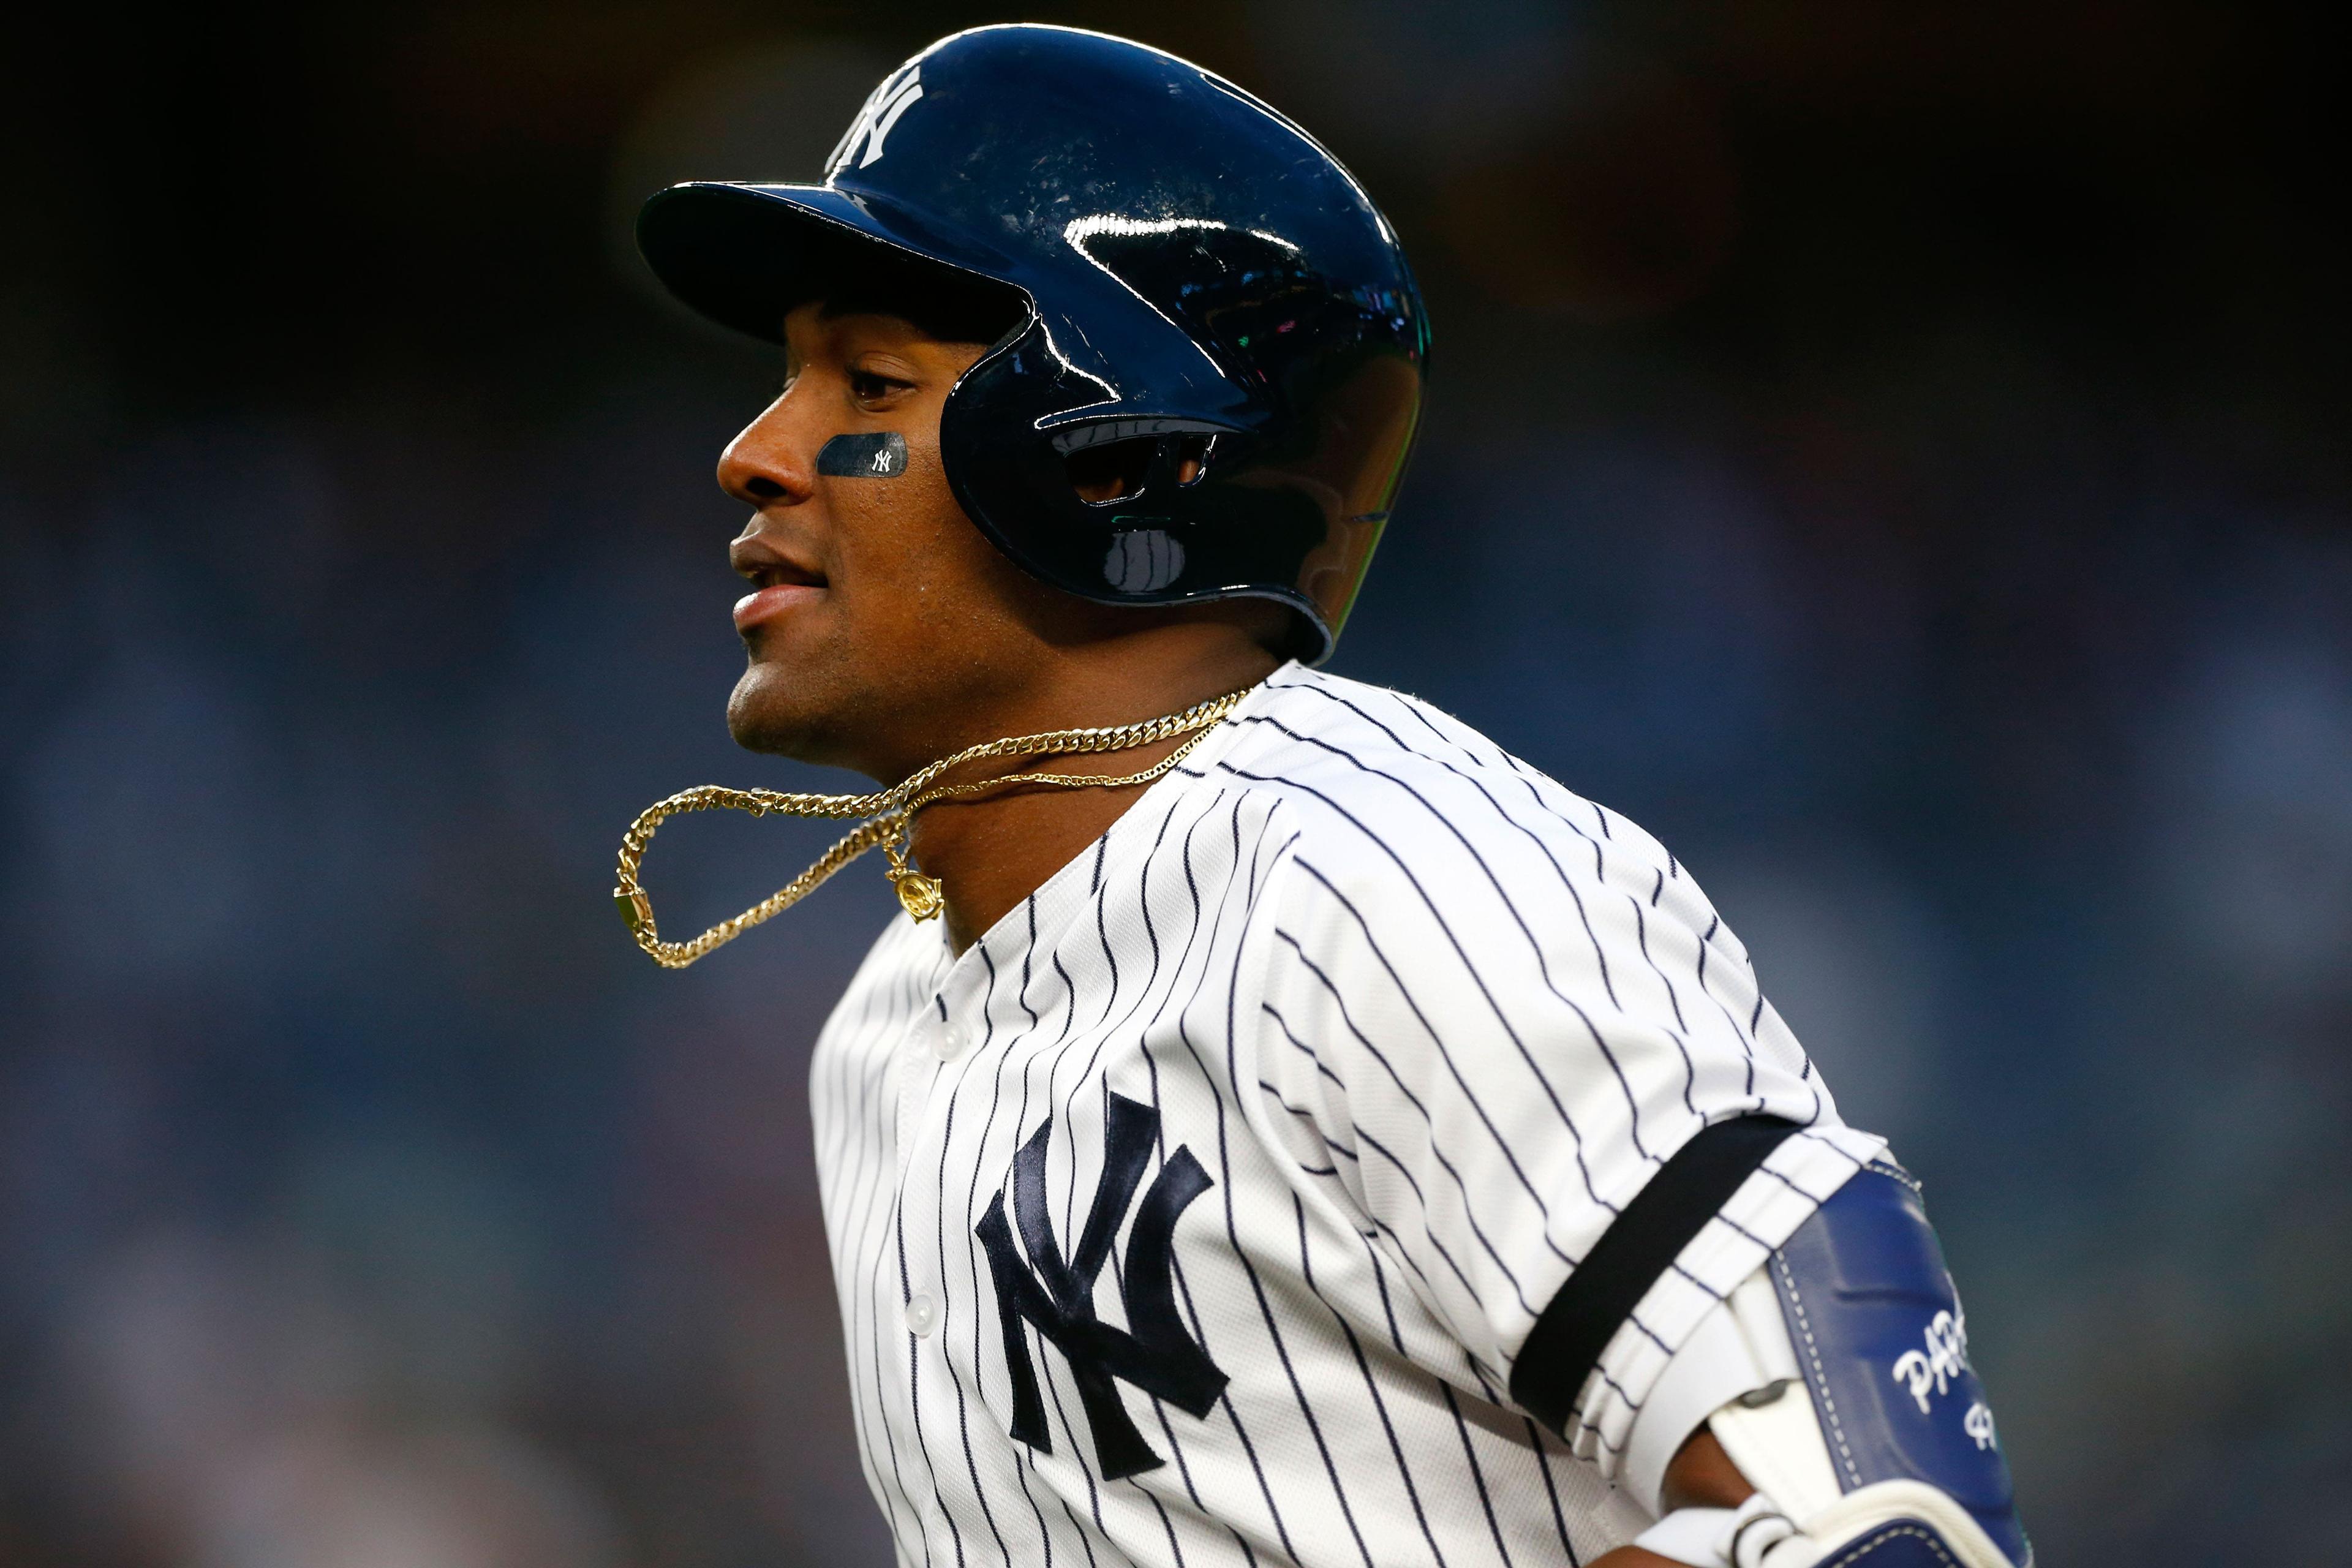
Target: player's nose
768 463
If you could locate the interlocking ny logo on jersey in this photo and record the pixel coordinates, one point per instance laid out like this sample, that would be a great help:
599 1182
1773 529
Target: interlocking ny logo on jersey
1154 1352
896 94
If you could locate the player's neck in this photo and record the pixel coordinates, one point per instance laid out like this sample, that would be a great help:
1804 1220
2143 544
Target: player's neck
989 854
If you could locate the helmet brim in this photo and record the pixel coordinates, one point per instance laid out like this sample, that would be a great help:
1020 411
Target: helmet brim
743 255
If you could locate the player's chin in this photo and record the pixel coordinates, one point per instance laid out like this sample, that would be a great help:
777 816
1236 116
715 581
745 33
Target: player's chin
780 711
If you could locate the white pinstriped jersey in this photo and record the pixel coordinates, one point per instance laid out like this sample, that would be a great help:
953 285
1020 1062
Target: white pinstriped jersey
1196 1214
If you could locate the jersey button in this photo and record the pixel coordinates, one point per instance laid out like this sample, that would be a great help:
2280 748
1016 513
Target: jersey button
948 1044
922 1315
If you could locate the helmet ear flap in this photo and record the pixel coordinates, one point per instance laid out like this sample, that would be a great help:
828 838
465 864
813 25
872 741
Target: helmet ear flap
1131 467
1160 474
1191 450
1110 471
1180 460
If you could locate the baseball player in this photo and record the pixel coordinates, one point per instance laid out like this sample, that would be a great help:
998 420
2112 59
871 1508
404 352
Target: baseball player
1283 1127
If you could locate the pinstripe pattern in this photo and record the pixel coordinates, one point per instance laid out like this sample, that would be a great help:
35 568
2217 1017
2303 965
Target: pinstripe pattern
1428 1021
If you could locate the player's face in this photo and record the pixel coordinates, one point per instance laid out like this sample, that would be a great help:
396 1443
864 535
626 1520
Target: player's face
881 625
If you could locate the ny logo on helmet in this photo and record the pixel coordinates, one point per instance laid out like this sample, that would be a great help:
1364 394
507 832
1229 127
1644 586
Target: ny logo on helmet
892 99
1154 1352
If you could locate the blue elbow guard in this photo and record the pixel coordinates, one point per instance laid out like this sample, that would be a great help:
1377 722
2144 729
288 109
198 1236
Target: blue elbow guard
1881 1345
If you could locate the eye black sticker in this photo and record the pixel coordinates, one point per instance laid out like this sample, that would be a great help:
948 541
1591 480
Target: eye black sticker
872 454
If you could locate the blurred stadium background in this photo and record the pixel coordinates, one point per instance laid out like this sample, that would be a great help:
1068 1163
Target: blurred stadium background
1898 454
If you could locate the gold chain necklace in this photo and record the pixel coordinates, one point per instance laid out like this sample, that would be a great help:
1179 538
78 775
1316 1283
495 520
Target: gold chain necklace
888 814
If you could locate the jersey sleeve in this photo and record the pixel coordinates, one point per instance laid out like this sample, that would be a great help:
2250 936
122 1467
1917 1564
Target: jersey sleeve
1505 1022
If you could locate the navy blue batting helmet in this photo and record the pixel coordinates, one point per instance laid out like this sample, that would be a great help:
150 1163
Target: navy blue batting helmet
1203 295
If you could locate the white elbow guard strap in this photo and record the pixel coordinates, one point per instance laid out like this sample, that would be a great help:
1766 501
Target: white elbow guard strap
1868 1440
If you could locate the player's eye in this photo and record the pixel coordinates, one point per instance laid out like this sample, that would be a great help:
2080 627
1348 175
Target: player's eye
866 386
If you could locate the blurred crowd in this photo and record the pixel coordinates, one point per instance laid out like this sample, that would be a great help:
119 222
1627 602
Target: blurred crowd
1897 455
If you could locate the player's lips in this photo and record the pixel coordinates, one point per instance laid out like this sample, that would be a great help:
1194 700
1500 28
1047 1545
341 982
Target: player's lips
778 585
763 604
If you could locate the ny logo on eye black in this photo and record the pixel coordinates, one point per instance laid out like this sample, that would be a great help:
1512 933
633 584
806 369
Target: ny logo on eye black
1154 1352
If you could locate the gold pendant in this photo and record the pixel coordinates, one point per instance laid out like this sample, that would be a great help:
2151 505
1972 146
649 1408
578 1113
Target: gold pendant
919 894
